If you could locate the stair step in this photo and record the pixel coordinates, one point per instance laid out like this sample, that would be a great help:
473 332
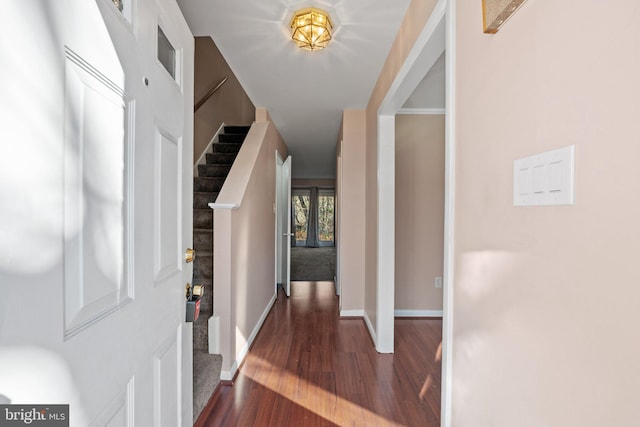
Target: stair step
200 332
231 138
237 129
201 200
202 240
202 268
221 158
205 253
226 148
207 184
214 170
203 218
206 377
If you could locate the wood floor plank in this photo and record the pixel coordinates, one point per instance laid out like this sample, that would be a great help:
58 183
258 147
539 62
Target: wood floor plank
309 367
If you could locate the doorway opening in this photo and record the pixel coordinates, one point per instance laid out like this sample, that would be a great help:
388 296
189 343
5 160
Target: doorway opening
313 248
313 216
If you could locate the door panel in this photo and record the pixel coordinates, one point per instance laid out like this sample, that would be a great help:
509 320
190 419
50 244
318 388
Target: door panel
97 203
167 212
167 383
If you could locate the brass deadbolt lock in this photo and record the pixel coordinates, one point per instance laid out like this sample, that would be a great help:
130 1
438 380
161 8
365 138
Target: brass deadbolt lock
189 255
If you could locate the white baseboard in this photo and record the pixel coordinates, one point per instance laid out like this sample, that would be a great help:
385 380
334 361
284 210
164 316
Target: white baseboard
372 331
418 313
228 375
411 110
203 157
351 313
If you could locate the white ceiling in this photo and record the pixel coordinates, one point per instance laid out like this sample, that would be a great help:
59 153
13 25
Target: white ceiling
304 92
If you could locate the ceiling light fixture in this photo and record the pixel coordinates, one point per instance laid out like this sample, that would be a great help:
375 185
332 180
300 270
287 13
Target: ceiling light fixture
311 28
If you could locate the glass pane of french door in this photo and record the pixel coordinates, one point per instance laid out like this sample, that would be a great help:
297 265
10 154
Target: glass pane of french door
326 202
300 205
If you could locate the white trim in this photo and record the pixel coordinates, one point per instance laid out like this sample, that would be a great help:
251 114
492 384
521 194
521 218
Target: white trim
418 313
214 334
433 111
449 218
367 322
202 160
385 277
424 53
351 313
437 36
228 375
223 205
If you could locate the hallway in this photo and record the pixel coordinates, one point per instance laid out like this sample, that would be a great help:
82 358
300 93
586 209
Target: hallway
308 367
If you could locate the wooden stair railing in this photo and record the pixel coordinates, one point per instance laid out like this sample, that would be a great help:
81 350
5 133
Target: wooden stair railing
209 95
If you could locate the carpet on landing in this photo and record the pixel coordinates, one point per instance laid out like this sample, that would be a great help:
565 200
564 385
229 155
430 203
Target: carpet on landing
313 264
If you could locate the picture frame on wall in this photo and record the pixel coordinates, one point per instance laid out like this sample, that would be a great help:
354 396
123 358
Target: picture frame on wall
496 12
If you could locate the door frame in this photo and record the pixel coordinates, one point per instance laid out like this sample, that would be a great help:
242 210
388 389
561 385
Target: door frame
437 35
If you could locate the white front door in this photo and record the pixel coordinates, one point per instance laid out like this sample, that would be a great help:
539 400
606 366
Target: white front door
95 209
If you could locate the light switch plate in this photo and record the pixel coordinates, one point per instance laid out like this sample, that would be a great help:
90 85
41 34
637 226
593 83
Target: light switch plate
545 179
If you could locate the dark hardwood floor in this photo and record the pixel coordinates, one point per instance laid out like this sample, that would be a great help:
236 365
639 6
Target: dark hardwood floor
308 367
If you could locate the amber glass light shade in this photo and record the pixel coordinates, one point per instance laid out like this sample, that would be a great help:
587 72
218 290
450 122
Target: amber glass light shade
311 28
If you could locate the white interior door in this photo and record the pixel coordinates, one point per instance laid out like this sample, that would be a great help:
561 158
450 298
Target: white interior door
283 223
280 206
286 171
95 216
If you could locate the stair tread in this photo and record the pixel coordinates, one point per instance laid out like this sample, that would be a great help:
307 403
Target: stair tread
237 129
231 138
225 148
202 253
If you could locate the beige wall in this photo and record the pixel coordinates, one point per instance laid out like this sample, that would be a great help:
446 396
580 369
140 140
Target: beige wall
415 19
546 298
254 243
229 105
244 242
419 211
351 210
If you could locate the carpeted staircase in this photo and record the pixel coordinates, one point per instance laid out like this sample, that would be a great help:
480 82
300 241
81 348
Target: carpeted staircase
206 186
